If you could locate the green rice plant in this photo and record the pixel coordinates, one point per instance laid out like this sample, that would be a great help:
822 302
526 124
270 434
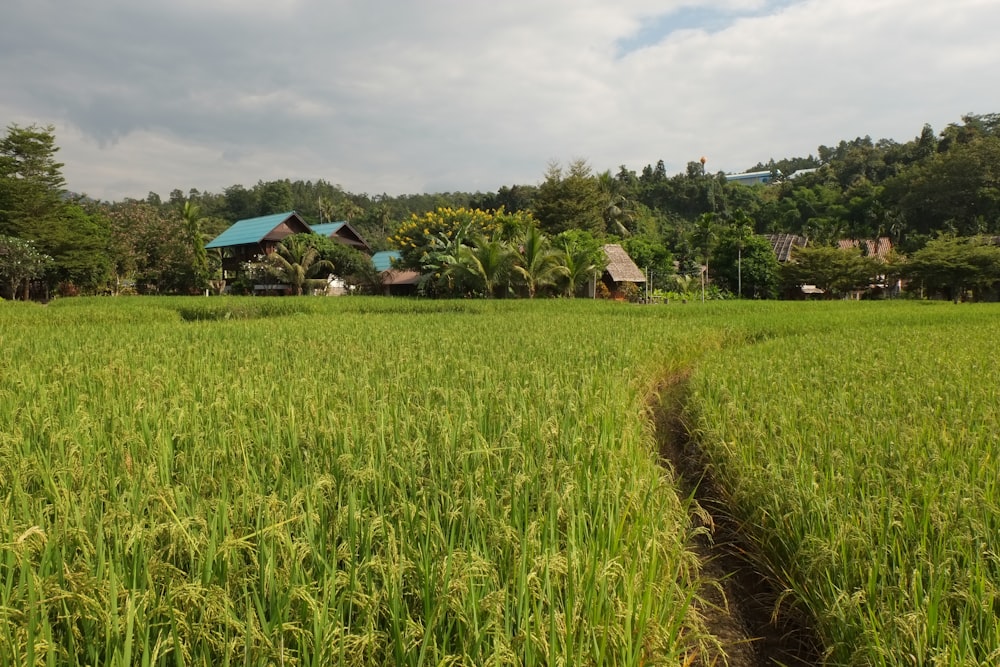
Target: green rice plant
863 459
368 482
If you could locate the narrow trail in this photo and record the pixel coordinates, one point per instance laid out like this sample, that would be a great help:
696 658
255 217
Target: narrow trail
738 602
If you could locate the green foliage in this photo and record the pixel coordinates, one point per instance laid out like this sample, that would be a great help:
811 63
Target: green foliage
31 181
486 266
275 197
343 260
834 270
536 263
20 263
652 255
955 266
570 199
581 256
151 249
192 221
749 261
297 262
33 207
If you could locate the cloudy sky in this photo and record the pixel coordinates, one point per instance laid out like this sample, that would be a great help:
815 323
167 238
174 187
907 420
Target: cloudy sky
438 95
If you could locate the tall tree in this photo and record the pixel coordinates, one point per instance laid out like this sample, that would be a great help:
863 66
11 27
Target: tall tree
570 199
953 265
31 181
192 223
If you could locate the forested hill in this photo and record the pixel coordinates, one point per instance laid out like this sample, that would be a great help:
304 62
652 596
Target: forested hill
940 182
943 181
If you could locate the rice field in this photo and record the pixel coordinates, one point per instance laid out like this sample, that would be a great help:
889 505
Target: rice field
336 482
391 482
865 460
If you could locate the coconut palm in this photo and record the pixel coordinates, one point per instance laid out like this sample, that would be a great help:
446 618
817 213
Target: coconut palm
488 263
296 262
618 209
537 264
578 266
192 222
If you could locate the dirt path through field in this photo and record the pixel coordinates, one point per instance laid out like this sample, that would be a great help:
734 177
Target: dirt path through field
739 602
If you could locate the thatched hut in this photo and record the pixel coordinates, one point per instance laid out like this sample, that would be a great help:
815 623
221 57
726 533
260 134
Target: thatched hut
621 276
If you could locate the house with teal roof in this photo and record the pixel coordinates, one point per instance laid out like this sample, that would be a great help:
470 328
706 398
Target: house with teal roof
343 232
248 239
393 280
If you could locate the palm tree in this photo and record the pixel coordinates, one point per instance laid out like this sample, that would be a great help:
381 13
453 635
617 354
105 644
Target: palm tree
578 266
743 226
703 238
619 210
537 264
296 262
488 262
325 209
192 221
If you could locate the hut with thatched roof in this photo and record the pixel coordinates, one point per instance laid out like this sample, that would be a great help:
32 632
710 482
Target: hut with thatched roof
784 243
621 276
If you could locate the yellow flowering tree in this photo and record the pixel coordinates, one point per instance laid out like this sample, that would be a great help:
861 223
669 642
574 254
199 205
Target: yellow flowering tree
440 245
421 232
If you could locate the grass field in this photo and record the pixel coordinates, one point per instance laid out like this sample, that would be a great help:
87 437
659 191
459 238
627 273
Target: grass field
381 482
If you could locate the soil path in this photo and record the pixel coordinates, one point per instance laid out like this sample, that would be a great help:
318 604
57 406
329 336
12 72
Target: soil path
744 609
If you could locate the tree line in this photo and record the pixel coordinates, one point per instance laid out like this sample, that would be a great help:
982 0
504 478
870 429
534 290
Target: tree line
937 197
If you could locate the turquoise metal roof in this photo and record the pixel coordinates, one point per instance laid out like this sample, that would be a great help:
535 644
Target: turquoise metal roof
383 260
251 230
327 228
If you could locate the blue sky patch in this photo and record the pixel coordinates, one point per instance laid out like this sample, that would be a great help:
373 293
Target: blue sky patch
702 17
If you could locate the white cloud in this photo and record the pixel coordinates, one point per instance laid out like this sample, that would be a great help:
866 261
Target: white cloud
402 97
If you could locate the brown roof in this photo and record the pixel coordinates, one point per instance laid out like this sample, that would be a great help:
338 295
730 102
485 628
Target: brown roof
880 247
783 244
620 267
400 277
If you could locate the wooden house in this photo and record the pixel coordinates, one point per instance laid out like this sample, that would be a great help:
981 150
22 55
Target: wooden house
344 233
394 281
248 239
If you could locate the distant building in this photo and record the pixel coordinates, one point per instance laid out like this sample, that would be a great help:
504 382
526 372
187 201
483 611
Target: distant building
751 177
394 281
343 232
